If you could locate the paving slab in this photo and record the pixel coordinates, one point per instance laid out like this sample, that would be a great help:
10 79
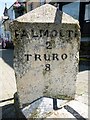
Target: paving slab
8 81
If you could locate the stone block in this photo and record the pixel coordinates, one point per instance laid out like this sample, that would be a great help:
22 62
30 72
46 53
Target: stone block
46 54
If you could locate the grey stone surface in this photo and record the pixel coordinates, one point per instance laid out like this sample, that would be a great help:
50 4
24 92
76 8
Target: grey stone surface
46 14
42 108
46 54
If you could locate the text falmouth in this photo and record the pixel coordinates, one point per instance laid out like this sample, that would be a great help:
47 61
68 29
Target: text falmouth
46 33
53 33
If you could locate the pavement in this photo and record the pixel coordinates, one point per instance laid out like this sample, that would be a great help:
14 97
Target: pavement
77 108
7 83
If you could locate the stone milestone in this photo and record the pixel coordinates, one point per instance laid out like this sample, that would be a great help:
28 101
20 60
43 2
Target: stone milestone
46 54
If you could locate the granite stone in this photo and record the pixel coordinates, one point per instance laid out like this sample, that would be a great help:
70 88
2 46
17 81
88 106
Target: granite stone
46 54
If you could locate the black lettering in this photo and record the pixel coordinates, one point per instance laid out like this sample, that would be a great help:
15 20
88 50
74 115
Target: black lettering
48 45
55 56
44 33
61 33
37 57
24 34
16 33
64 56
33 34
47 67
69 32
47 57
27 55
76 33
53 33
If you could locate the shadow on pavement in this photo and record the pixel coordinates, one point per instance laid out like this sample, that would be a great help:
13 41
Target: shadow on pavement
7 56
8 112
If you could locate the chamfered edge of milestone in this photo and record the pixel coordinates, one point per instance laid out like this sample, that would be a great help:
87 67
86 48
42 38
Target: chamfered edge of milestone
47 14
